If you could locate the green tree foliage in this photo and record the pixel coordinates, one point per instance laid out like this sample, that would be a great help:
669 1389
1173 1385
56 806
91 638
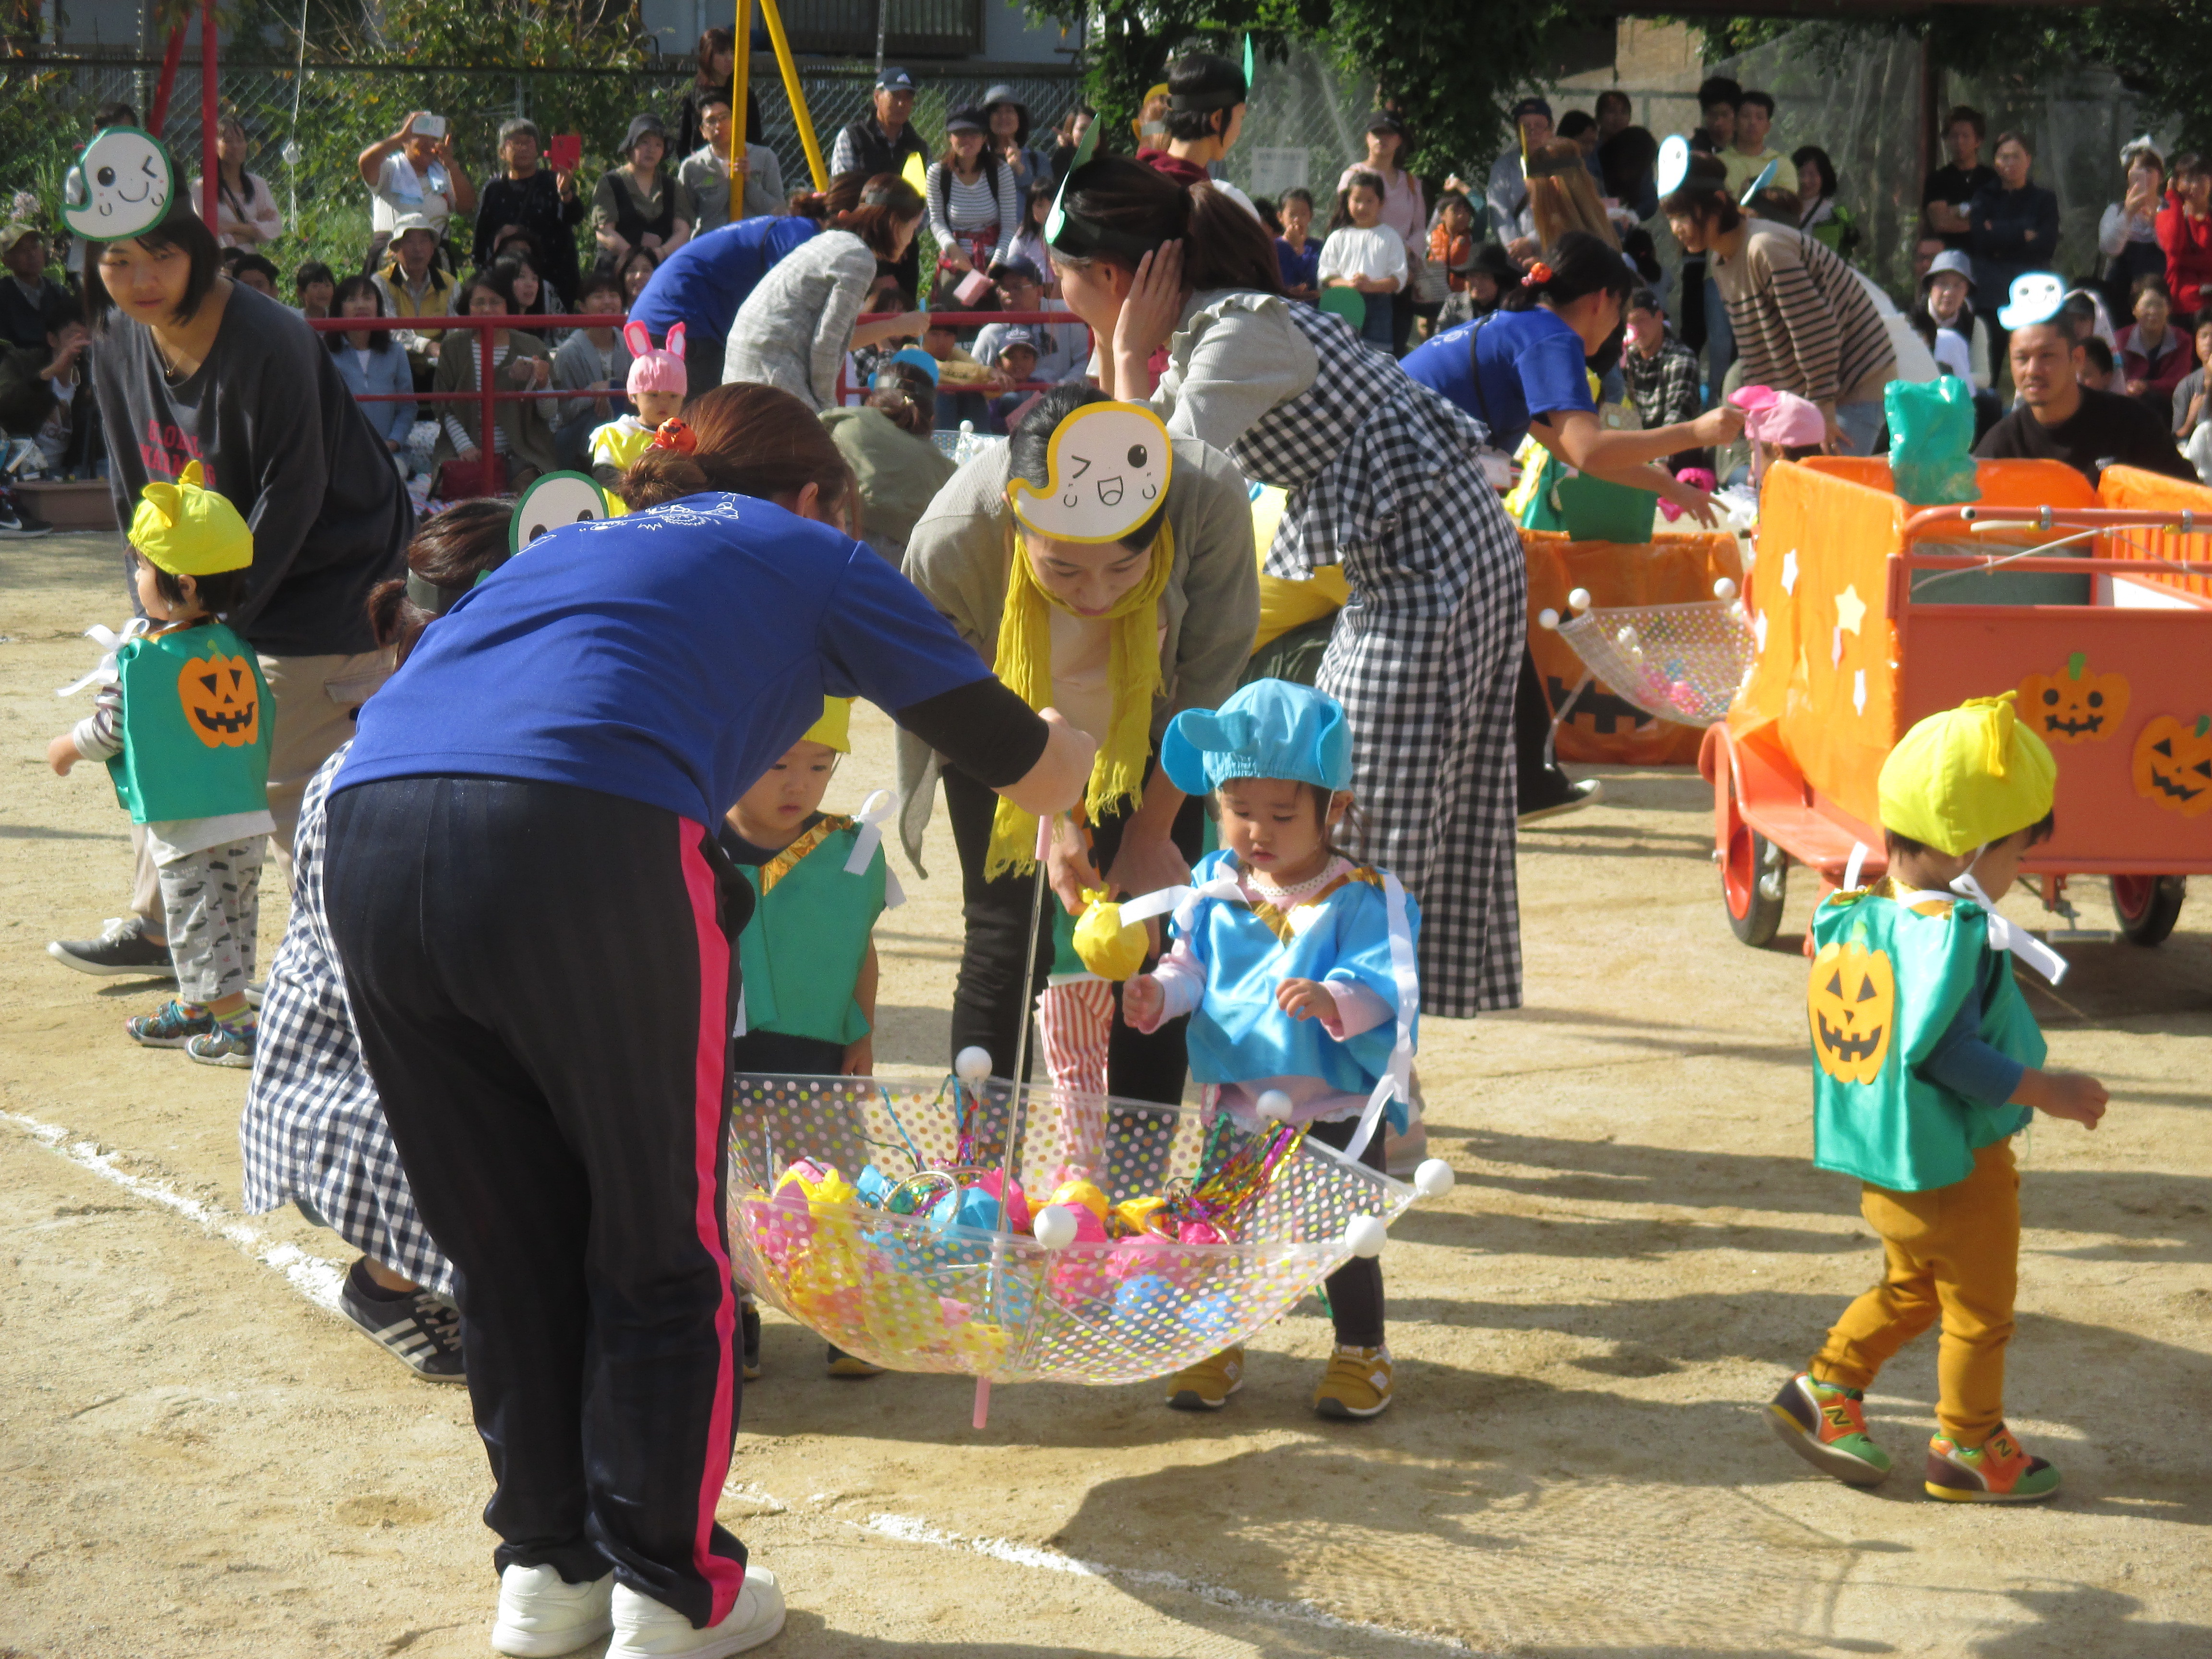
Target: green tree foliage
1451 67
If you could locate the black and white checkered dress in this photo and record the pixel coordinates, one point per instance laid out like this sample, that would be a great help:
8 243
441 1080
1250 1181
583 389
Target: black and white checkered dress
313 1128
1384 480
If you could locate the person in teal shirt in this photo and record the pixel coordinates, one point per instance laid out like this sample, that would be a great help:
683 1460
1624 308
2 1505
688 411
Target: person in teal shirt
183 720
1927 1062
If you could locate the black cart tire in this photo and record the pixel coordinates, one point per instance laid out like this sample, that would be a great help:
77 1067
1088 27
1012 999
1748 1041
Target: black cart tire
2148 906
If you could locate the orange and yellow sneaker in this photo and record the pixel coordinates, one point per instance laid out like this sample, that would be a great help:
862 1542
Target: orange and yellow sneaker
1996 1472
1206 1386
1826 1426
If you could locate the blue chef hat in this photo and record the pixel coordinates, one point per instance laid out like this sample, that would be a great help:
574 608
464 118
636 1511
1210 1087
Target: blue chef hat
1269 729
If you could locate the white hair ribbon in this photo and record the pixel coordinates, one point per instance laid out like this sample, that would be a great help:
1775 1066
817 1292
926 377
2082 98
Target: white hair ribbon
106 672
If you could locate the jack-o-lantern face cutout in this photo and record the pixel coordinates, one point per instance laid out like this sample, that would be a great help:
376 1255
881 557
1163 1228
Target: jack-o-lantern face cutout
221 700
2173 764
1851 1002
2073 706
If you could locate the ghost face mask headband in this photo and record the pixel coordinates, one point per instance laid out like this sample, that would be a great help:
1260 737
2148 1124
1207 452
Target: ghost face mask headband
555 499
1673 165
120 186
1107 472
2036 297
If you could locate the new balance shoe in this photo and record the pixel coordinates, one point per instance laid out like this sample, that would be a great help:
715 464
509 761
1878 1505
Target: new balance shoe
414 1327
1996 1472
171 1026
851 1364
542 1614
123 948
1826 1426
1206 1386
645 1629
1357 1384
226 1045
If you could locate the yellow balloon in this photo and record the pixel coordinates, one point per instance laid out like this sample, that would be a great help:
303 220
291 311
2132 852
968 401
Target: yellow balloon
1081 1195
1108 948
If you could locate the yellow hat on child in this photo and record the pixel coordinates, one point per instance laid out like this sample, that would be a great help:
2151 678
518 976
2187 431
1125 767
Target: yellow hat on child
835 729
1968 776
188 530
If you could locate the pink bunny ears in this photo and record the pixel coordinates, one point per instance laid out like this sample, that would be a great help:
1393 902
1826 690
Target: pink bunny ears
655 368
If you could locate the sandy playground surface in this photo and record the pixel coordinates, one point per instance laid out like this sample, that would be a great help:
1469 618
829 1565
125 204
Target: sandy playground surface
198 1458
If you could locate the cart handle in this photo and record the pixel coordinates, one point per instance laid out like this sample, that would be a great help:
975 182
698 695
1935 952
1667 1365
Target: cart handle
2082 564
2046 518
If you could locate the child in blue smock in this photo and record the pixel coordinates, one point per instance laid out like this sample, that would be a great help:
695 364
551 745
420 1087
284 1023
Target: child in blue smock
1297 967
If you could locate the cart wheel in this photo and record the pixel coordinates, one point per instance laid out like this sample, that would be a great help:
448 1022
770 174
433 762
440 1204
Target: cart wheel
2148 906
1754 872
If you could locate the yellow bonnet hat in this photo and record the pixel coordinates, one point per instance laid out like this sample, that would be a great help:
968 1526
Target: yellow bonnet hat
188 530
1967 777
835 728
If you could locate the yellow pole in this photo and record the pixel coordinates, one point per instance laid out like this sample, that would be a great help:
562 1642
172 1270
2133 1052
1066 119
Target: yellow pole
740 62
796 93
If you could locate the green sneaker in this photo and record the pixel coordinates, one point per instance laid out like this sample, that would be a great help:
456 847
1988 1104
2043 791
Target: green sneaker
1996 1472
1826 1426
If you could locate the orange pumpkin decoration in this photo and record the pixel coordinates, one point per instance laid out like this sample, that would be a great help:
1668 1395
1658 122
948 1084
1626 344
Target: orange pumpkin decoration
1850 999
221 700
2173 764
2072 705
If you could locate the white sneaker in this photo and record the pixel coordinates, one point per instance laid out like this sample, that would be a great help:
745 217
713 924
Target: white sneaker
541 1614
647 1628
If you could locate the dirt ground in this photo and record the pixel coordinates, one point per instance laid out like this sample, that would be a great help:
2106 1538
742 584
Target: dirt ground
198 1458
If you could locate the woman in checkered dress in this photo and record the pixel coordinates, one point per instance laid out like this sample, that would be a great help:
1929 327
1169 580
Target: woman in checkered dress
1384 480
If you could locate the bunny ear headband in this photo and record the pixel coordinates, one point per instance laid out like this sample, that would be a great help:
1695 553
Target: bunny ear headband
1107 472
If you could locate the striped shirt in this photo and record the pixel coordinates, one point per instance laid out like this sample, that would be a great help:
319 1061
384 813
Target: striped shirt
1802 322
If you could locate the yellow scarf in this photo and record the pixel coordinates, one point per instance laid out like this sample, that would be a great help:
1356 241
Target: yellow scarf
1132 675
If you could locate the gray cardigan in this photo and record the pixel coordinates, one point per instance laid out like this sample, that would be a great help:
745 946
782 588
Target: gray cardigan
957 557
796 326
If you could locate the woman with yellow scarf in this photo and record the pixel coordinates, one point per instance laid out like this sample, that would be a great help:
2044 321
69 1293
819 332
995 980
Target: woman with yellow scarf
1106 570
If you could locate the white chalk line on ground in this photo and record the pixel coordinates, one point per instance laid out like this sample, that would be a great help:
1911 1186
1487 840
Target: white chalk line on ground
907 1530
314 1278
319 1281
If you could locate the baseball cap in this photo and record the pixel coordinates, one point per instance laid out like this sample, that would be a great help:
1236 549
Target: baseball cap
15 233
1532 106
1017 334
894 80
1025 270
969 119
1383 121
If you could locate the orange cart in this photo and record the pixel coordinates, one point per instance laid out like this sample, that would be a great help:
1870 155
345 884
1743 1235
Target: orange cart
1868 614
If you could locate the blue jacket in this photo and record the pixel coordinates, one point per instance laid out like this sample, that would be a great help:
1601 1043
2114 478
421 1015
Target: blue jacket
387 371
703 282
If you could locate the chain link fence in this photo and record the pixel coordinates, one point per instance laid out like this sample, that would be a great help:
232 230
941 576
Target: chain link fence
308 124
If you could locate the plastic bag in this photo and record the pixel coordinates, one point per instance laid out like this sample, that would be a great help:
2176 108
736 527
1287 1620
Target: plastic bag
1931 437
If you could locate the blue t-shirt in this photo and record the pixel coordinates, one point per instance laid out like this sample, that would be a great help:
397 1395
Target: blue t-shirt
1299 270
703 282
668 657
1531 364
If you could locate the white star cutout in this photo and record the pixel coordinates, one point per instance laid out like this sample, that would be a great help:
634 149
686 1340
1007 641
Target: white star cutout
1850 610
1859 690
1789 571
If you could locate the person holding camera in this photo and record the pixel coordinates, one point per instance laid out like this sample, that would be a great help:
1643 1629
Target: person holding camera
414 172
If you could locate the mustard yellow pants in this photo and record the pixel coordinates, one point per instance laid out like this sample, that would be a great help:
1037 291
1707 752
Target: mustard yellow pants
1953 1251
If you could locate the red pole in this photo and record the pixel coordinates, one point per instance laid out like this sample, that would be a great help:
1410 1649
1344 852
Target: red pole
210 164
170 58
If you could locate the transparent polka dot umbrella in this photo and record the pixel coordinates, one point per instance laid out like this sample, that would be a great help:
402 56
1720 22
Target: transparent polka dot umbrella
868 1211
1677 662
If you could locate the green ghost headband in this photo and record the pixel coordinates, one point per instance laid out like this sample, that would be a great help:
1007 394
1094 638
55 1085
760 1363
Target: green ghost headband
555 498
121 187
1070 233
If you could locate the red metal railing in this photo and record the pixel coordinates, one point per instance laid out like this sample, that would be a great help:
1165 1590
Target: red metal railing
487 395
975 318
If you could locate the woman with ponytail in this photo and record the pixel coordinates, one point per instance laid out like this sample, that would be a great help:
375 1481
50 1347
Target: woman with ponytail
794 328
1523 370
1385 481
1125 632
533 921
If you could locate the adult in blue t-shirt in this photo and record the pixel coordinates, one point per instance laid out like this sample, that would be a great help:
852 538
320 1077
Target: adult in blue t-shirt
703 282
534 922
1522 371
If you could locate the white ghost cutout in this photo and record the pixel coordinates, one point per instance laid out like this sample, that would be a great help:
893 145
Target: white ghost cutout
2036 298
555 498
1107 472
120 186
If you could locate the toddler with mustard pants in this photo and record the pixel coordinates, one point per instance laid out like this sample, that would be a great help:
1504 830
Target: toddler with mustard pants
1927 1063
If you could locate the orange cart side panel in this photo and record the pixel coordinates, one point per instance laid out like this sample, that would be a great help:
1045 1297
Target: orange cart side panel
1672 570
2002 483
2127 487
1825 540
